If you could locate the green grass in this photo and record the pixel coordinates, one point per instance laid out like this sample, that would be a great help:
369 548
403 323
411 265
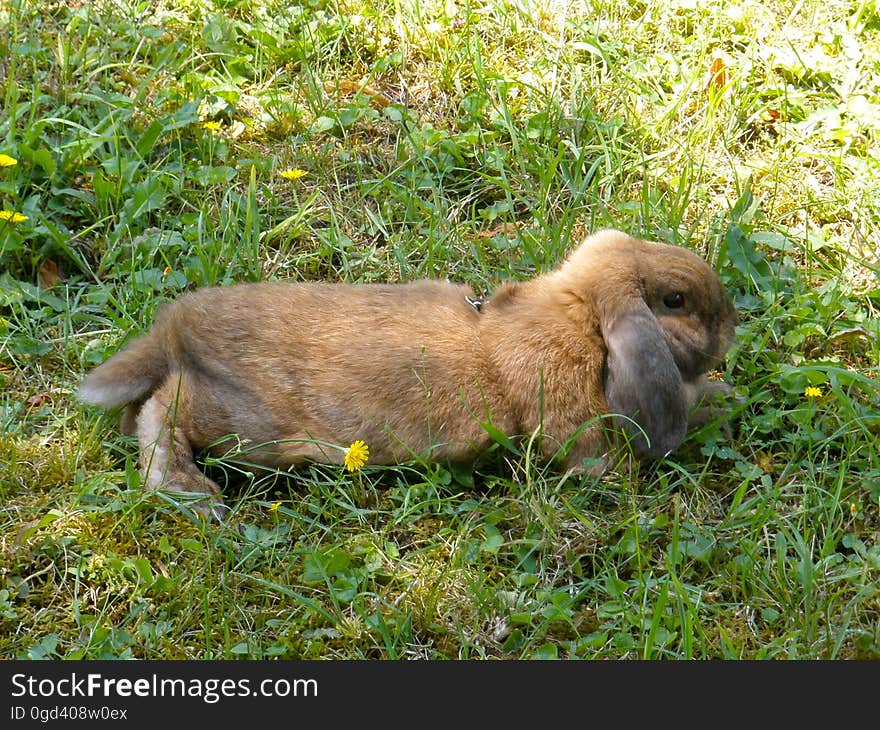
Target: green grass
476 141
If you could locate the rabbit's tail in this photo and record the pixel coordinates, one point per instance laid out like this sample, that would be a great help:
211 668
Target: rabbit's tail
127 377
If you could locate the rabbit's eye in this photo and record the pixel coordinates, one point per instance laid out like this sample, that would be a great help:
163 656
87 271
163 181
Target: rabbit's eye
674 301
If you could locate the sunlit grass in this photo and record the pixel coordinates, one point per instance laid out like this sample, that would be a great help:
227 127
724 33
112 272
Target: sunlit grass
161 146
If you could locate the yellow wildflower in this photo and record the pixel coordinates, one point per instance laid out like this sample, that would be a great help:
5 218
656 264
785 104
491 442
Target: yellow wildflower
7 161
293 174
812 392
211 126
274 506
12 216
356 456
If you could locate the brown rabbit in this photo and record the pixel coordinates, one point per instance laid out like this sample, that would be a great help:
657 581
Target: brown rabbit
295 370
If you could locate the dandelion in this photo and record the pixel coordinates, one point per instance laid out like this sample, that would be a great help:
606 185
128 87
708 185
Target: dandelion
12 216
293 174
812 391
356 456
7 161
212 127
274 506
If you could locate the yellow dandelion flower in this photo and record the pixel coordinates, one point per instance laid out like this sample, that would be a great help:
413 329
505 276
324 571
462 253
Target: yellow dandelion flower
274 506
7 161
812 391
11 216
211 126
356 456
293 174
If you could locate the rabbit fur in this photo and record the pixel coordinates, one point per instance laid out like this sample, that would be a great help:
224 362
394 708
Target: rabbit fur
295 370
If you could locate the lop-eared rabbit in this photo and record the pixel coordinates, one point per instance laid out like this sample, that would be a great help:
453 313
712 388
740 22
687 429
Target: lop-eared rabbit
298 370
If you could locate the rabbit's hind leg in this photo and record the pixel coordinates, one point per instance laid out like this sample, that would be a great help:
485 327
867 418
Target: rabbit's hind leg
166 455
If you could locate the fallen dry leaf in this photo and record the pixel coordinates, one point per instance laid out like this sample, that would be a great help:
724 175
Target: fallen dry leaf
505 229
717 75
50 274
35 401
377 98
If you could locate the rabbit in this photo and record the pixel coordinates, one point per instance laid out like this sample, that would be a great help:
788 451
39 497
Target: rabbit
624 328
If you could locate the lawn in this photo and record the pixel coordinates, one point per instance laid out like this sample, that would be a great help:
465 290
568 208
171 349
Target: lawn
147 148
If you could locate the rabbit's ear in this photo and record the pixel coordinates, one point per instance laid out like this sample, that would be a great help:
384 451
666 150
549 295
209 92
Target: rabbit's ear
642 382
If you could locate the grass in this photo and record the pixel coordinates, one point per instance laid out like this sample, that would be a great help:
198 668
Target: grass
476 141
